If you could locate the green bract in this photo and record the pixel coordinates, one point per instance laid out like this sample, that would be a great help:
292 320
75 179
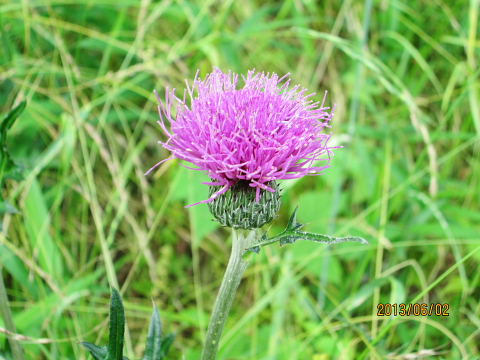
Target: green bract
238 208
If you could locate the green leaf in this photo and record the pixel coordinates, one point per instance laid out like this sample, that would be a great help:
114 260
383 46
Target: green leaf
292 233
114 349
37 223
153 350
8 169
98 352
117 327
156 348
320 238
166 344
293 224
16 268
255 249
10 118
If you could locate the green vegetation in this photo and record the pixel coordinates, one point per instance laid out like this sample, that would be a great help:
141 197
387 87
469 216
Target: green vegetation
404 77
157 345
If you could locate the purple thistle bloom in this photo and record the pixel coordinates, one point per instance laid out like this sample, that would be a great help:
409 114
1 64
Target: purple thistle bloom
258 133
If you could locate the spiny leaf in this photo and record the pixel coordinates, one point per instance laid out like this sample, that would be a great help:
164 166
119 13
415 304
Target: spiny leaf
255 249
293 224
156 348
153 350
98 352
292 233
320 238
117 327
114 350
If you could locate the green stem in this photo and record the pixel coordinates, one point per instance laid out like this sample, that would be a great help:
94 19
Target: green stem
7 318
231 279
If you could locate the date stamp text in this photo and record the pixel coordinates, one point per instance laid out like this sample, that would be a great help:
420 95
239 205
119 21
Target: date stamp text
416 309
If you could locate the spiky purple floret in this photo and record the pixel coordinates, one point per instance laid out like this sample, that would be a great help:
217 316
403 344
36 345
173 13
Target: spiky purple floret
261 132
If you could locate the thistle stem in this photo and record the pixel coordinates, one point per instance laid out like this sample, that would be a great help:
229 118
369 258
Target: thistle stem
231 279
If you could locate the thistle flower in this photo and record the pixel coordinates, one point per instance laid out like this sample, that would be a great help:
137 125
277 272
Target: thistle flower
246 138
255 134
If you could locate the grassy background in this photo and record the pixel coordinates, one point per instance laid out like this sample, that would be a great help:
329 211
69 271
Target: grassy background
405 79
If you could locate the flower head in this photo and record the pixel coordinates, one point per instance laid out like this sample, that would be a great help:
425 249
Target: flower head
257 133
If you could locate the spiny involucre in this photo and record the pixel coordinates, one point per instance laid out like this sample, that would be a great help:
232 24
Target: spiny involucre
263 131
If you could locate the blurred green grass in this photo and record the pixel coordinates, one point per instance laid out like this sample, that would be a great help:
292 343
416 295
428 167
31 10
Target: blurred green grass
405 81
